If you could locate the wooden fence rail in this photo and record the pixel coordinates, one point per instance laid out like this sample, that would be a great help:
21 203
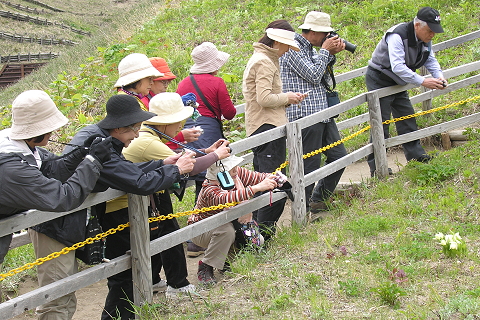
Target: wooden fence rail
140 253
24 17
41 4
28 57
22 8
42 41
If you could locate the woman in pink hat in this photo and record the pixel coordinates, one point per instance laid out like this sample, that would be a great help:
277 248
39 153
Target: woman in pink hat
212 96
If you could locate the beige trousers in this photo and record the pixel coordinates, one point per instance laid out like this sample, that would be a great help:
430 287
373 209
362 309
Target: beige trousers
218 243
50 271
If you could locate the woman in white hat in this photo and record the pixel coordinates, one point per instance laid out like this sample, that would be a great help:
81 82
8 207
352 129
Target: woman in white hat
28 174
150 145
220 240
212 96
136 74
266 105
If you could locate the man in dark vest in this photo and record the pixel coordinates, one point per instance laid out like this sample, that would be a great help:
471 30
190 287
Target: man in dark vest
403 49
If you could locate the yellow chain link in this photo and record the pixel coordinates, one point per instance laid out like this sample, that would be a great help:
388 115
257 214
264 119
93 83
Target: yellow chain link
100 236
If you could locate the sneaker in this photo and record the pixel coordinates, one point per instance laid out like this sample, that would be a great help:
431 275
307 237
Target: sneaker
205 274
188 290
193 250
160 286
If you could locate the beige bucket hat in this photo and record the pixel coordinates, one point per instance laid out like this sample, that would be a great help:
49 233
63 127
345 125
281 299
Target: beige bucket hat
317 21
134 67
34 113
169 108
284 36
207 58
228 163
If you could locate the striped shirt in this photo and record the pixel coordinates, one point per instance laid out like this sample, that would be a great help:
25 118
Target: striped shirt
212 194
303 71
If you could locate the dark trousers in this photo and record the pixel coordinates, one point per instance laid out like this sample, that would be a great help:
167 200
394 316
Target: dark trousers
396 105
314 138
120 286
267 158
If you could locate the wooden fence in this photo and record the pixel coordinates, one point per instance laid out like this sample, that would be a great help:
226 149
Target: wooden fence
27 18
139 257
22 8
28 57
41 4
42 41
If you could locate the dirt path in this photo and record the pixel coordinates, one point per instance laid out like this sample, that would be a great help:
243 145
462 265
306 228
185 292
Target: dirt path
90 300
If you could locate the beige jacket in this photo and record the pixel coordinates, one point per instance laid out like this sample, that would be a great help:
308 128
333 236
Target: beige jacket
262 88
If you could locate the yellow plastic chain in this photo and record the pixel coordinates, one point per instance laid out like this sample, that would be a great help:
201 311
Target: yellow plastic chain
100 236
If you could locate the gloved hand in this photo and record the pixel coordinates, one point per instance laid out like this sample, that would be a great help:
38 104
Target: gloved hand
87 143
189 99
100 149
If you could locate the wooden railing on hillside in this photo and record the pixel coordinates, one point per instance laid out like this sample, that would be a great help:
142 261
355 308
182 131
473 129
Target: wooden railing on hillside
140 253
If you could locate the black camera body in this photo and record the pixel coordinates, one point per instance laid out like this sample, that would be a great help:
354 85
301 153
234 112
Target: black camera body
348 45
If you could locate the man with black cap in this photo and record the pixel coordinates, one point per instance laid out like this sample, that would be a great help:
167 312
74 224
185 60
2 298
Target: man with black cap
403 49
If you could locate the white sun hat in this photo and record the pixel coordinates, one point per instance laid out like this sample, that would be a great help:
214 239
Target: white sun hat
34 113
228 164
317 21
169 108
134 67
207 58
284 36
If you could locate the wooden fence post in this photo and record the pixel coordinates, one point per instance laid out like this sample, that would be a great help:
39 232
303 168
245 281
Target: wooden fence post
140 245
427 104
295 152
378 140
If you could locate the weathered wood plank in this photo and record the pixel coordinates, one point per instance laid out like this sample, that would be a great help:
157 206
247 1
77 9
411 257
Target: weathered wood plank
295 151
377 135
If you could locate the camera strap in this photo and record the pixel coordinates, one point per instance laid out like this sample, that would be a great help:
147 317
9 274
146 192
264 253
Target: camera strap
175 141
329 69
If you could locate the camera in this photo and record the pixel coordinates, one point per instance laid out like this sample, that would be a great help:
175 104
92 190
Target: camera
348 46
280 178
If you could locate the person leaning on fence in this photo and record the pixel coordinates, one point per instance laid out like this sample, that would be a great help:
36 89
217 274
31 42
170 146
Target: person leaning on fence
150 145
309 70
212 96
160 85
34 178
122 123
265 107
219 241
403 49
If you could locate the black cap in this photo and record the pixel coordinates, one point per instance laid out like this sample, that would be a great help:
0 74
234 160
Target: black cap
431 17
123 110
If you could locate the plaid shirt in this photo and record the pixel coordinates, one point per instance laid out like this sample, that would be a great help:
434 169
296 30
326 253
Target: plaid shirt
302 71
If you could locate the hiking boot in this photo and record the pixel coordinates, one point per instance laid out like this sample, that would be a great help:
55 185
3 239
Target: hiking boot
160 286
424 158
193 250
205 274
188 290
390 172
316 207
314 217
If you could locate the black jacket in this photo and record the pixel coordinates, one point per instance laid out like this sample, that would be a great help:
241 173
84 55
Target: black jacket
142 178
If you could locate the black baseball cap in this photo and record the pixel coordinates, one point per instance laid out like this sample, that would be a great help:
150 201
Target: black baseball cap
431 17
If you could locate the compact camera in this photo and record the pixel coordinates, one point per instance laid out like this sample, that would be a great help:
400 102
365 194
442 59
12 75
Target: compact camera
279 178
348 46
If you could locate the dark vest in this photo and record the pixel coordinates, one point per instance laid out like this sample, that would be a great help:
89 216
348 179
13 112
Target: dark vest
416 52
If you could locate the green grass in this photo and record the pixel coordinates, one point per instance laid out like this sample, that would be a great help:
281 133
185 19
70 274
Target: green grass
370 259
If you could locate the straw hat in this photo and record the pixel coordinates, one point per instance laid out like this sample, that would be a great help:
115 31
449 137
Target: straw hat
134 67
228 163
34 113
317 21
169 109
207 58
123 110
283 36
161 65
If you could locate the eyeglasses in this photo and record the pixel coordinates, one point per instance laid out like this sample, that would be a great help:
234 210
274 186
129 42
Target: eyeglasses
165 83
134 129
